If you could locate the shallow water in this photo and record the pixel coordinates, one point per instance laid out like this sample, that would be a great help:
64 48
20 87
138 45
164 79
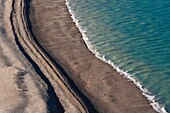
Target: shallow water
135 35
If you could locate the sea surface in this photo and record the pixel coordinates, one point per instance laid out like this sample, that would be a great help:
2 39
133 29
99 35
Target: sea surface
134 35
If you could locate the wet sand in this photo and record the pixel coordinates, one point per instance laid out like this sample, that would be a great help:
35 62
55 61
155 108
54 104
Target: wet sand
99 84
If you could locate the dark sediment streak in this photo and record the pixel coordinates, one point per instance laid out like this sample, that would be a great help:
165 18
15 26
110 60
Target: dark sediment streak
86 101
53 104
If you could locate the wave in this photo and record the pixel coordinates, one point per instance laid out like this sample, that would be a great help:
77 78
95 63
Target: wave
156 106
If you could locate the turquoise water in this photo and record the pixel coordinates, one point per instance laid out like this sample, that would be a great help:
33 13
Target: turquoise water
135 35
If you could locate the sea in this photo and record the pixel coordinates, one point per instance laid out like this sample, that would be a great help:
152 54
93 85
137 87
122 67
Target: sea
134 37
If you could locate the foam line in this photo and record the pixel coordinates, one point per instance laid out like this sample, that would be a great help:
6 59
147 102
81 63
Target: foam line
156 106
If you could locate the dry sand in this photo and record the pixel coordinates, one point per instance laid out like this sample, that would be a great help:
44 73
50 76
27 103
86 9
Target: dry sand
29 82
107 90
21 89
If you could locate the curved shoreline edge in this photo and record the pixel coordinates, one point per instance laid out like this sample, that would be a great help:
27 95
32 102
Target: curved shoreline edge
88 86
156 106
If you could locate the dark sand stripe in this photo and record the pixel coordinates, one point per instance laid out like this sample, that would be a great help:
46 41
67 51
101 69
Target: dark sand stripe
53 104
86 101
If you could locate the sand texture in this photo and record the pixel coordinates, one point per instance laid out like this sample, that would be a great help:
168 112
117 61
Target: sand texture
29 82
21 89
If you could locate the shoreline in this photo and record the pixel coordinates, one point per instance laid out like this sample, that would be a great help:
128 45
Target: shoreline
106 88
151 98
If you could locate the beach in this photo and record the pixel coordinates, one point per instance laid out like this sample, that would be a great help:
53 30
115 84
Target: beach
107 90
46 67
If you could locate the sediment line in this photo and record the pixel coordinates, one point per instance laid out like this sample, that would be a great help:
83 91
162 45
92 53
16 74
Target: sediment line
52 102
75 90
44 66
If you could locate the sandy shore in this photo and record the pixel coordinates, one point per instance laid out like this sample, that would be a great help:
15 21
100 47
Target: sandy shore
21 89
30 83
108 91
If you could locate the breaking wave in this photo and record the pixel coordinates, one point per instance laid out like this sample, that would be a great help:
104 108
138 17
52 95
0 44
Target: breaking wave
151 98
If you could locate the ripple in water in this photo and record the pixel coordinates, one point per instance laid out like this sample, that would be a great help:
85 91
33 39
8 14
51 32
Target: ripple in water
135 35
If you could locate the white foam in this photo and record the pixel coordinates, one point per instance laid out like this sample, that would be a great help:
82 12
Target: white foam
156 106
